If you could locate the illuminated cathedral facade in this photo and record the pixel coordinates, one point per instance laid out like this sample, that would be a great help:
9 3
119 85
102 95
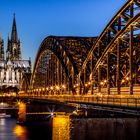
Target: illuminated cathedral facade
12 66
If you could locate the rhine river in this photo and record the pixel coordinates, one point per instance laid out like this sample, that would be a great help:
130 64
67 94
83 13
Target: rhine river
65 128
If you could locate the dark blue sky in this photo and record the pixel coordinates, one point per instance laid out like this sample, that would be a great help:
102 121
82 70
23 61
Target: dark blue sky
37 19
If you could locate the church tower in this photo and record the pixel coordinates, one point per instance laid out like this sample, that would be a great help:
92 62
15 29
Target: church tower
13 51
1 49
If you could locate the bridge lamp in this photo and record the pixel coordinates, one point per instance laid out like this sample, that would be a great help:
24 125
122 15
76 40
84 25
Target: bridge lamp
127 78
123 80
89 83
52 113
86 85
57 87
101 83
63 86
18 102
2 103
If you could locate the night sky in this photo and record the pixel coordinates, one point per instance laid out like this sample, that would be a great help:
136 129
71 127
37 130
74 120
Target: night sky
37 19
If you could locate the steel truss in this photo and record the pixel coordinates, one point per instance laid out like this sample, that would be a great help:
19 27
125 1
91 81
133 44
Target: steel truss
113 62
58 63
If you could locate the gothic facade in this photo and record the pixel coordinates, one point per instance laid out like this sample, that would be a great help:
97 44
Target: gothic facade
12 66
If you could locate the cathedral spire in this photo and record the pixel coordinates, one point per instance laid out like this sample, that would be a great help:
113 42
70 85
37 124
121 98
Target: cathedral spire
14 46
14 35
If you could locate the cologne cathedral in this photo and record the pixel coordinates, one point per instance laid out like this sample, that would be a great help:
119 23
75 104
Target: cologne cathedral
12 66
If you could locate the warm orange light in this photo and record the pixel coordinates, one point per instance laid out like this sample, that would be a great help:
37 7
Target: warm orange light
61 127
20 131
63 86
86 85
101 83
123 80
57 87
89 83
18 102
1 103
127 78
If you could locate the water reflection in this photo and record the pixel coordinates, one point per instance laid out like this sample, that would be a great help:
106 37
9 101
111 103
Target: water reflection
61 128
21 132
105 129
65 128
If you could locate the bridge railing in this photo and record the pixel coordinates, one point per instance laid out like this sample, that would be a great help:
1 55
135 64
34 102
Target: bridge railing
102 100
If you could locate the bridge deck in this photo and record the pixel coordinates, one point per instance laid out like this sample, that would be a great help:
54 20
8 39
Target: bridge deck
129 106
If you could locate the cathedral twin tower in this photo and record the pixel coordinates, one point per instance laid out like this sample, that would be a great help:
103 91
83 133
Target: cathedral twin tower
13 51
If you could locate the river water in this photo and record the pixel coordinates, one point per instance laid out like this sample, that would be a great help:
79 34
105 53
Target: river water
65 128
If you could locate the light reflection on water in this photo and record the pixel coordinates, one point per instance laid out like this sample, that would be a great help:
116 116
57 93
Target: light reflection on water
21 132
61 128
65 128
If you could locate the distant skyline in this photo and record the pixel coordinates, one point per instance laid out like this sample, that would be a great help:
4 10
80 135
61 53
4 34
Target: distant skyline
37 19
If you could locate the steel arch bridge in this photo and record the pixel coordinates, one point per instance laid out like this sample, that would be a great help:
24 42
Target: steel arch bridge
57 64
109 64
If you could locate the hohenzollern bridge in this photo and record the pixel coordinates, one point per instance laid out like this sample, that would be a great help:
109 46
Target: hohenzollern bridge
103 69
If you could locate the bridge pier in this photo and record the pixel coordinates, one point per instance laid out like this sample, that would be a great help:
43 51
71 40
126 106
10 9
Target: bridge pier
22 112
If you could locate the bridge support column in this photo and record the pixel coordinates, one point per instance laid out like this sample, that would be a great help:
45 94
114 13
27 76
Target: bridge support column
131 60
91 79
108 73
99 78
80 85
118 66
22 112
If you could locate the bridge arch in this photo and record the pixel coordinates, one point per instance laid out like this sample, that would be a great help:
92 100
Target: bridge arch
58 63
111 59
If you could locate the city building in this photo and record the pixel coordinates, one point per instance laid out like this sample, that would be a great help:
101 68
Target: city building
12 66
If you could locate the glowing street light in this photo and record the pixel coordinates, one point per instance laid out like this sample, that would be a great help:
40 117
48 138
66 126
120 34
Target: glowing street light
51 88
123 80
89 83
127 78
57 87
101 83
63 86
